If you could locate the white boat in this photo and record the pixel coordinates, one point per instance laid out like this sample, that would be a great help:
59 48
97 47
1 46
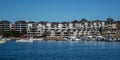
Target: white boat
77 39
99 38
31 38
39 39
25 40
87 37
71 38
2 41
8 39
36 39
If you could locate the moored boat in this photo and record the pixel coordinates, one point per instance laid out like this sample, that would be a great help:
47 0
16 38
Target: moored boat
2 41
25 40
100 38
71 38
39 39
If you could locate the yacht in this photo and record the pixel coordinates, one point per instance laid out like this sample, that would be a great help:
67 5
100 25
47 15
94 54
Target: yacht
109 39
7 39
36 39
89 37
100 38
2 41
86 37
71 38
117 39
39 39
25 40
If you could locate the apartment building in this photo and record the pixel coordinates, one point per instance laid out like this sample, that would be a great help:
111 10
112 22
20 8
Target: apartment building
20 25
53 29
5 25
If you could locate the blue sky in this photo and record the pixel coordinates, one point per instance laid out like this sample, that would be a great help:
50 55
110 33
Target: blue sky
58 10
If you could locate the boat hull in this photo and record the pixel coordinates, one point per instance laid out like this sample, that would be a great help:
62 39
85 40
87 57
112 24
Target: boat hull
24 40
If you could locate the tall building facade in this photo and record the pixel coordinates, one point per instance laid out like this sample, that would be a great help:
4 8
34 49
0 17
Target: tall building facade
5 25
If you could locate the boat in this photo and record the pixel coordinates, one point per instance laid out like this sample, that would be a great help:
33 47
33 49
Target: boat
7 39
86 37
112 39
71 38
2 41
25 40
39 39
89 38
36 39
117 40
100 38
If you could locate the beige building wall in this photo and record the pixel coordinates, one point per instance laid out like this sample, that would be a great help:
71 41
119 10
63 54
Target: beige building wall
48 25
59 25
70 25
103 24
29 26
114 26
52 33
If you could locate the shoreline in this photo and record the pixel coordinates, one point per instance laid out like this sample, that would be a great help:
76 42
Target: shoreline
61 38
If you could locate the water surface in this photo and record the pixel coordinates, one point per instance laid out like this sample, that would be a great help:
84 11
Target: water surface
60 50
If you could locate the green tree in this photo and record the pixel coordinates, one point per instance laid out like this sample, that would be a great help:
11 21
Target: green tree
75 21
83 19
6 34
100 30
44 35
15 33
109 20
24 31
1 31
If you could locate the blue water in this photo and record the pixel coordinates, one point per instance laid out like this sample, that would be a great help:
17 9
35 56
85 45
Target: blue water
60 50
